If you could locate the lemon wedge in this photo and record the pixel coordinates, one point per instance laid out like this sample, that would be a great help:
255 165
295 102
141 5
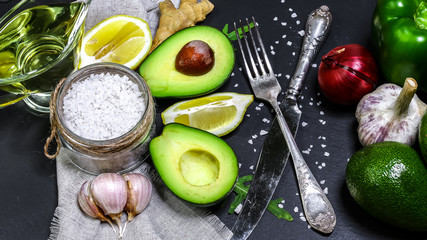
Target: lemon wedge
218 113
120 39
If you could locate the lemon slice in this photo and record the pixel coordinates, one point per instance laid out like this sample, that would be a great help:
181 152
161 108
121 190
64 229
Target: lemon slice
120 39
218 113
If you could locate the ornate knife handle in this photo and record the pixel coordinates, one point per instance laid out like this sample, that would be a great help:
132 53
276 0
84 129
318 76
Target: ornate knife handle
316 30
317 208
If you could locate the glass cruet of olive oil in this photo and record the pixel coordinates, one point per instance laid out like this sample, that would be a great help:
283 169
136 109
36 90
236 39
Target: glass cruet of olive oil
39 45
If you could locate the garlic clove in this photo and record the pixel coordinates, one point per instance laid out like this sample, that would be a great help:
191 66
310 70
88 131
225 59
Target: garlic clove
139 193
110 193
88 205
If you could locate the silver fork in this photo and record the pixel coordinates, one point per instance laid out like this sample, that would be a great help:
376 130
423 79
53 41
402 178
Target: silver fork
265 86
319 212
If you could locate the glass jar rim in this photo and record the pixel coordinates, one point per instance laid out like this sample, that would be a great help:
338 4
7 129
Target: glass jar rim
105 67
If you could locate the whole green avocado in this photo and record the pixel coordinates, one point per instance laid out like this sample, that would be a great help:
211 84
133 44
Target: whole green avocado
389 181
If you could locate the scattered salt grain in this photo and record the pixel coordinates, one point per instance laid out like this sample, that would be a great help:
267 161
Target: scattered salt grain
238 208
298 22
236 85
326 190
275 19
284 36
304 124
289 43
322 182
280 205
293 15
251 167
314 65
103 106
282 1
284 24
257 108
288 76
254 136
322 113
326 154
273 53
232 74
261 104
254 149
301 33
250 141
263 132
276 42
296 209
323 145
290 9
294 53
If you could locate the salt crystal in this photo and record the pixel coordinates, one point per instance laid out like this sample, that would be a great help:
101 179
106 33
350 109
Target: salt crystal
298 22
236 85
238 208
282 1
276 42
296 209
280 205
251 167
326 190
293 15
240 165
257 108
273 53
314 65
323 164
304 124
284 24
301 33
250 141
232 74
326 154
303 218
254 136
271 47
323 145
266 120
254 150
322 113
284 36
290 9
99 108
289 43
263 132
275 19
287 76
261 104
294 53
322 182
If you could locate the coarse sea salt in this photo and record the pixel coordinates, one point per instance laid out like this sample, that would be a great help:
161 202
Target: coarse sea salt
103 106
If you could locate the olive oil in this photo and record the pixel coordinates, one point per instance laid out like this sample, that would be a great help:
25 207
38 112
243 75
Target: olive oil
34 40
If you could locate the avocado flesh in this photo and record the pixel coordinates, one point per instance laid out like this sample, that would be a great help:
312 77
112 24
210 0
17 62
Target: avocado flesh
158 69
197 166
389 181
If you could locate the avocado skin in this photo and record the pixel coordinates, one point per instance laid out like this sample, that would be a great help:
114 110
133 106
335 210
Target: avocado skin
159 71
167 150
389 181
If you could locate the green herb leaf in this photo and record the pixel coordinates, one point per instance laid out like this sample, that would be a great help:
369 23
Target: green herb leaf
232 35
280 213
242 191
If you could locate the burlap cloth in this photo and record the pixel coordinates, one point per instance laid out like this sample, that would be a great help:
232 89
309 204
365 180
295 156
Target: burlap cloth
166 217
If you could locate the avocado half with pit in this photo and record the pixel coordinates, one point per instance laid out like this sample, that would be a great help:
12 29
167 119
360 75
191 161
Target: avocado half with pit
192 62
195 165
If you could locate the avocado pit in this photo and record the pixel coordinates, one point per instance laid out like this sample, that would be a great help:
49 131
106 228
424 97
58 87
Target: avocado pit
195 58
198 167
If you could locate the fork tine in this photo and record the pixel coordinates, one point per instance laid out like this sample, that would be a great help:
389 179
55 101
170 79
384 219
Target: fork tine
267 62
251 59
255 47
248 72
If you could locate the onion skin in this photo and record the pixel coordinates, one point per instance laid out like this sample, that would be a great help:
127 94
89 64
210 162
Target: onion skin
347 73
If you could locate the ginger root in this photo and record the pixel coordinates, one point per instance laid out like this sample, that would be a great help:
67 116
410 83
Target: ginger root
172 20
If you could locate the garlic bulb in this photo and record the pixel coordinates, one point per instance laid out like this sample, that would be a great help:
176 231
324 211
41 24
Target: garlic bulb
87 204
139 193
390 113
110 194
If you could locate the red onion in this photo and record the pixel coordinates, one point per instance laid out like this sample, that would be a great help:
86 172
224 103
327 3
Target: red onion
347 73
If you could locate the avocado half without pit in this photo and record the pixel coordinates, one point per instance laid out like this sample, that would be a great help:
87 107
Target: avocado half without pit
192 62
195 165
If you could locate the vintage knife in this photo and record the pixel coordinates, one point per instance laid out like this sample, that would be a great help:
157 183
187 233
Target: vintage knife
275 152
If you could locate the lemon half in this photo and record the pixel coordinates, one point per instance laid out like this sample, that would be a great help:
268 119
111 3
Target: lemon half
120 39
218 113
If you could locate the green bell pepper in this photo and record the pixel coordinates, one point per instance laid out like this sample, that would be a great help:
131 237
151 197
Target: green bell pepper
399 34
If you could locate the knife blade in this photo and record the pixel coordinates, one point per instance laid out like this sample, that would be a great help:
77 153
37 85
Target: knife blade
273 159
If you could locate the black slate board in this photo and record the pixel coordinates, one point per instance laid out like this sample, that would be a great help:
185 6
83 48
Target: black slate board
327 135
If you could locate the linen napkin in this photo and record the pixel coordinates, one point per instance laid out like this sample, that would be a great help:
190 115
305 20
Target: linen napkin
166 217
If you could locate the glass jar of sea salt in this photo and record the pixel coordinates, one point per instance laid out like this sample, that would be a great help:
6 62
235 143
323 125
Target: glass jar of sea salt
106 118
